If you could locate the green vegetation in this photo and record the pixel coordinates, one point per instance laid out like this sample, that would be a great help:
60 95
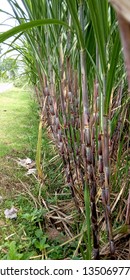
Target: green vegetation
16 127
8 68
74 63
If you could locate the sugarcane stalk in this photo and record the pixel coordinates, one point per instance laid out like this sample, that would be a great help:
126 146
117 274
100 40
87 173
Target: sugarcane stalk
104 171
68 113
61 144
38 96
106 188
87 141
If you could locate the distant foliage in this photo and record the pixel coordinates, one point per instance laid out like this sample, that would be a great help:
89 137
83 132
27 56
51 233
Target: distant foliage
8 68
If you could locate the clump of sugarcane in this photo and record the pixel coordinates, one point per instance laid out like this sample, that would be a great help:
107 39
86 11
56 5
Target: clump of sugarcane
68 117
60 135
122 9
64 122
73 118
103 146
74 129
69 130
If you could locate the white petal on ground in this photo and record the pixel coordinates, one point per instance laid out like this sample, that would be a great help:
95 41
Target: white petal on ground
31 171
11 213
24 162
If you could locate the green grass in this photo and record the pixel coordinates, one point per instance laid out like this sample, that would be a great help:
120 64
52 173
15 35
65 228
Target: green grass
16 125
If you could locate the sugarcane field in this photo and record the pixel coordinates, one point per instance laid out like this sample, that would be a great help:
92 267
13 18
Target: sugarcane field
65 130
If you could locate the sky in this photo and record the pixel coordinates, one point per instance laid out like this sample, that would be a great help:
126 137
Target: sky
6 23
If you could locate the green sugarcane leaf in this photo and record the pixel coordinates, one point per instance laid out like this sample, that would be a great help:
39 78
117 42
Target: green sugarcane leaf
98 16
26 26
77 26
112 70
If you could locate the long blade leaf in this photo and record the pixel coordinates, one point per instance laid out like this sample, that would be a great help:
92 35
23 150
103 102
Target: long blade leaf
25 26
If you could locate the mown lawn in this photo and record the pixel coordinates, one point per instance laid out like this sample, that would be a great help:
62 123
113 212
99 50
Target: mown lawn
15 122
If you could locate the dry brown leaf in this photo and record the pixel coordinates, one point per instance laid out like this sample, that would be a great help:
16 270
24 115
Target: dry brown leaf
122 7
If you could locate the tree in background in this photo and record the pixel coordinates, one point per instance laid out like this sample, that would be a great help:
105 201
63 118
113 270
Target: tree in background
8 68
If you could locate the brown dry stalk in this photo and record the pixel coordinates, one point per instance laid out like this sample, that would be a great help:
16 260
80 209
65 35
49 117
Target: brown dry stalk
124 27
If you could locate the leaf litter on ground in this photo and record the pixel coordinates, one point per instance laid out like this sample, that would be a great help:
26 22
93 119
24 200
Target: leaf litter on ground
11 213
29 164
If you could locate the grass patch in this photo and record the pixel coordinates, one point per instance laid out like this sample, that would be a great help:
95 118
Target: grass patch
17 127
